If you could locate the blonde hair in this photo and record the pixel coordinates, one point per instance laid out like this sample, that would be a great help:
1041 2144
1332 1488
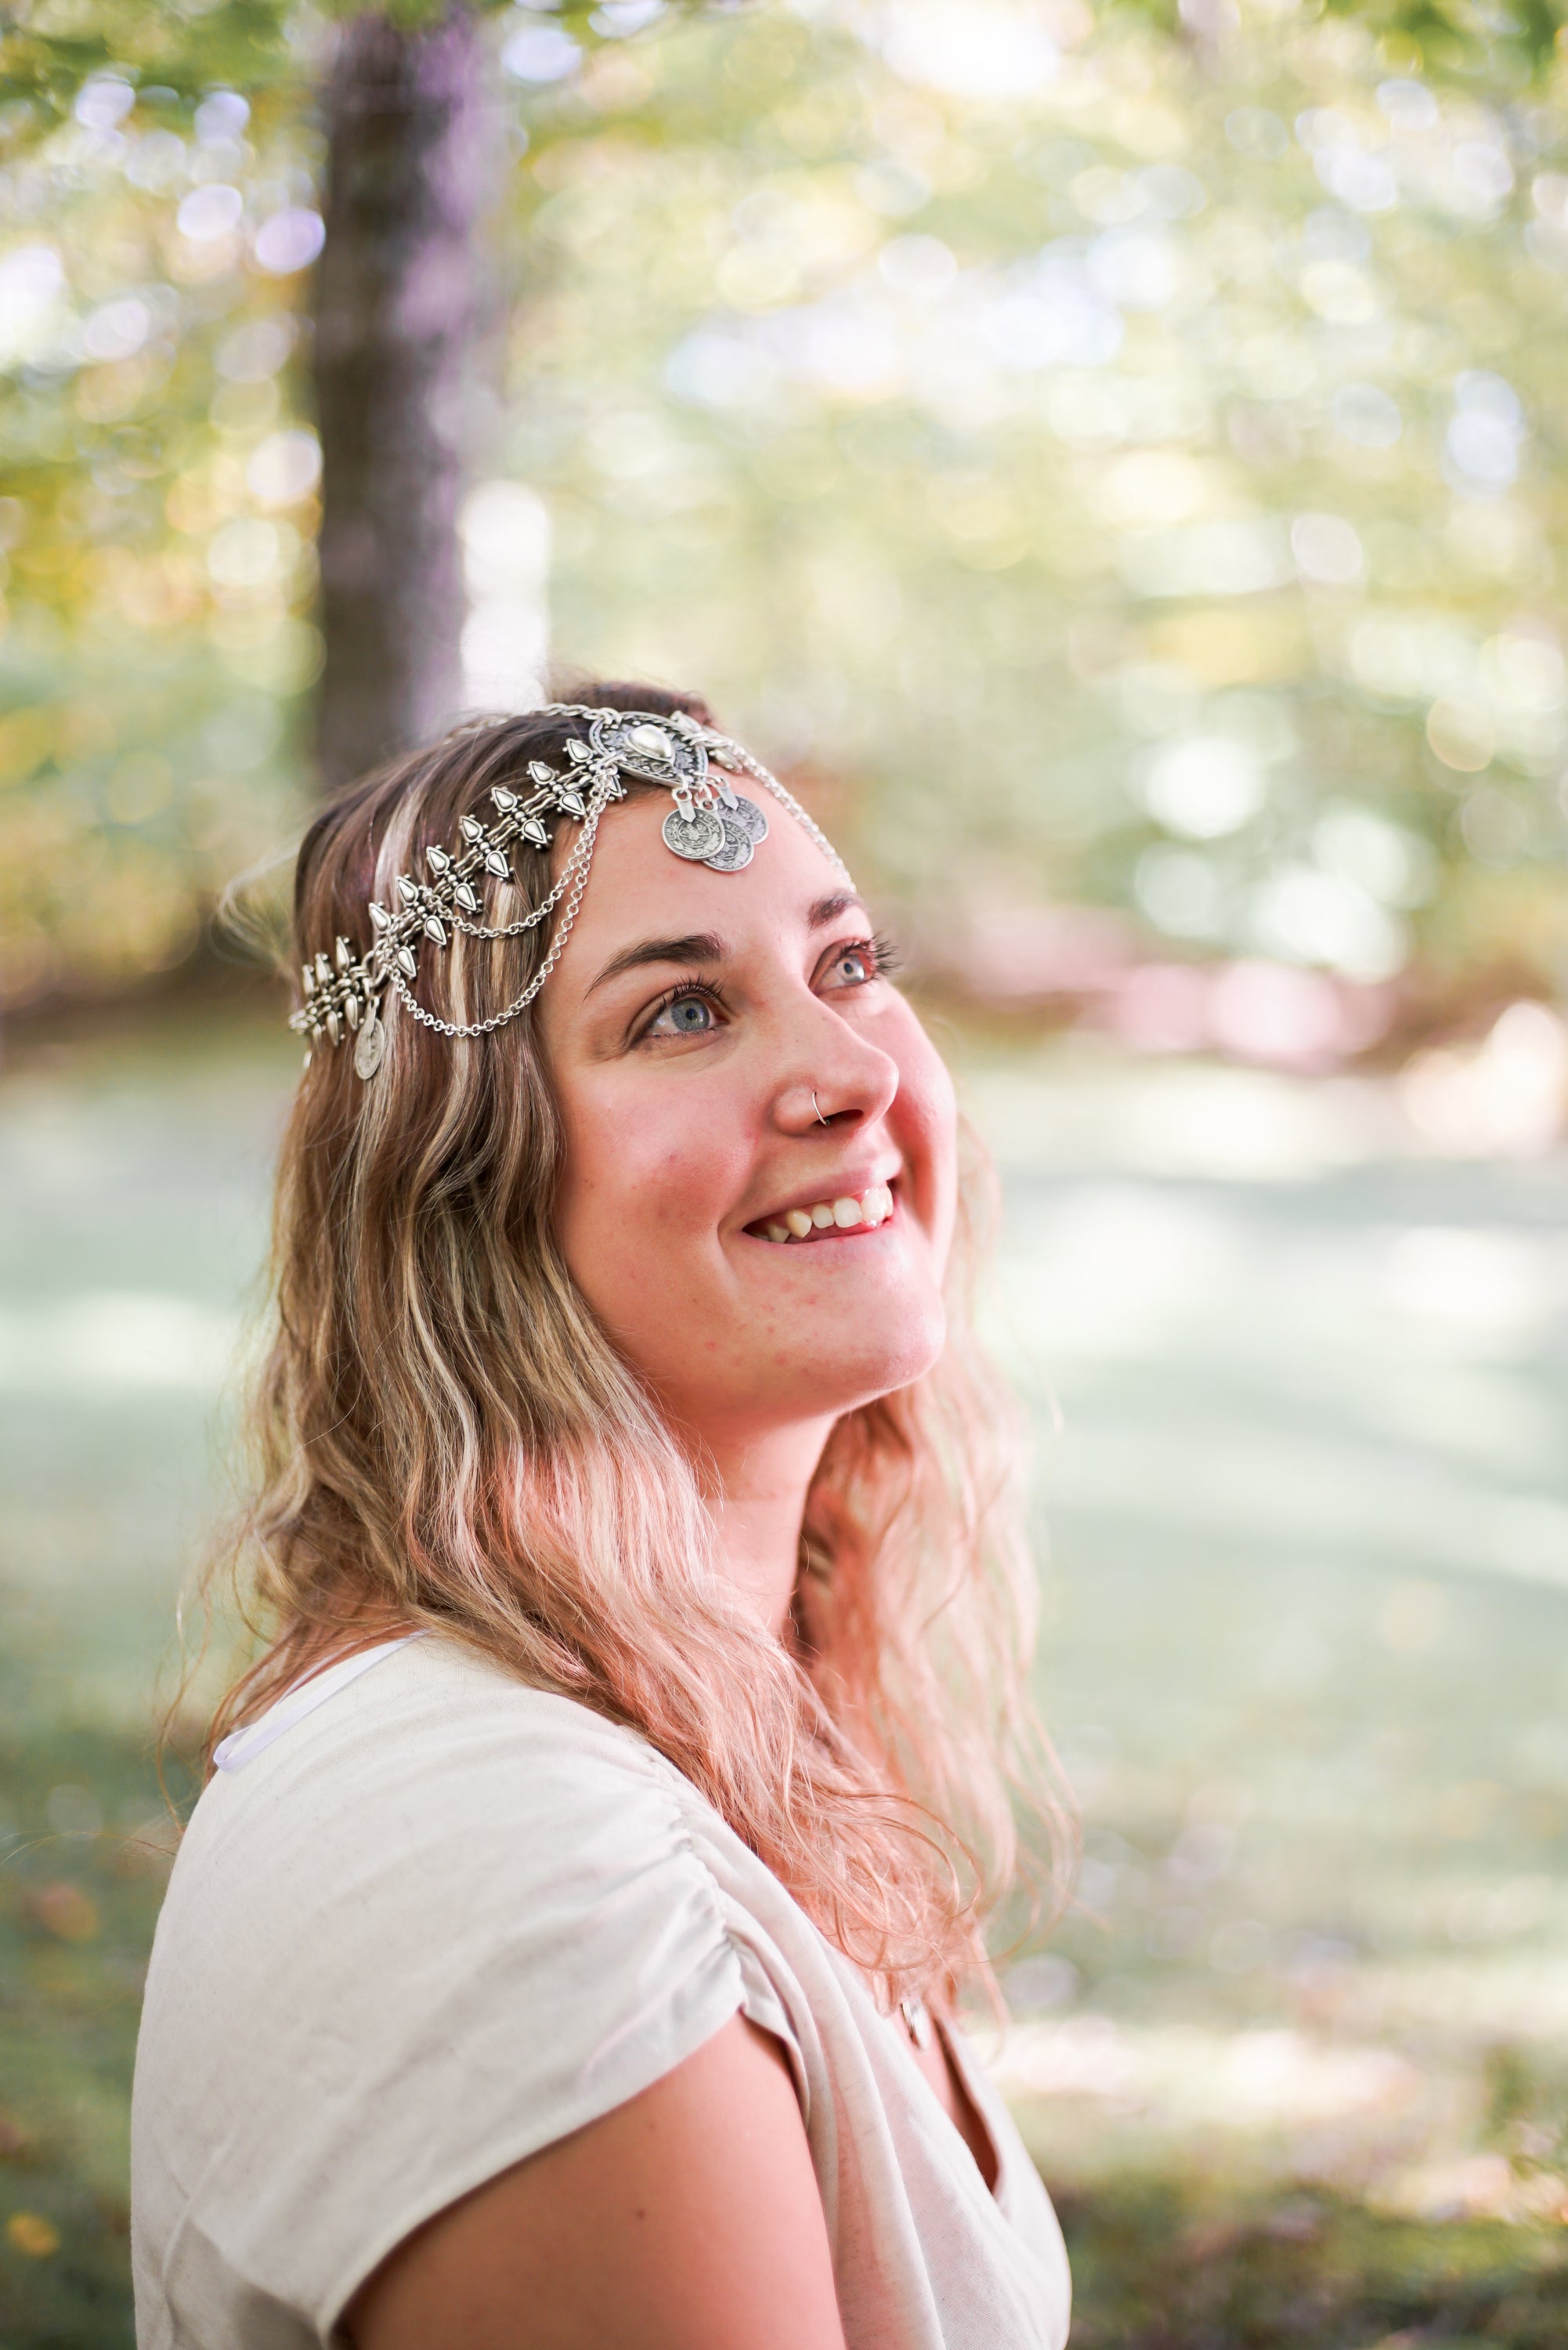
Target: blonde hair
443 1436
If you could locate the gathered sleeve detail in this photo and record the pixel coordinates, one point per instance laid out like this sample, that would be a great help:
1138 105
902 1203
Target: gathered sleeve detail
501 1941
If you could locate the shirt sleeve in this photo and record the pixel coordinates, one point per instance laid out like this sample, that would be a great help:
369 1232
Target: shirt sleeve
436 1959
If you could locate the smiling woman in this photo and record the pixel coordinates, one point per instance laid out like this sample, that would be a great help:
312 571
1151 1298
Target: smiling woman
566 1946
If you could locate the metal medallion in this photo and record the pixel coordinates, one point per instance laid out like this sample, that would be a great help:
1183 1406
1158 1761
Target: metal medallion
370 1046
747 817
641 746
696 837
736 851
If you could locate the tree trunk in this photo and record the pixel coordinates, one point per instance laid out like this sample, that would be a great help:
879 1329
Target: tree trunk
397 296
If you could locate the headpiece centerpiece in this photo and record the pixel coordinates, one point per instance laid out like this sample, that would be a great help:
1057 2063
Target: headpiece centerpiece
710 824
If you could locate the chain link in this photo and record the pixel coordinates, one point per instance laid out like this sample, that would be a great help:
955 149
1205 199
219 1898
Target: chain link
545 907
786 798
602 795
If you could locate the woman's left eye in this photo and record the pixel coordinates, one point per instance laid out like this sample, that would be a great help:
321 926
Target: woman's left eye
852 967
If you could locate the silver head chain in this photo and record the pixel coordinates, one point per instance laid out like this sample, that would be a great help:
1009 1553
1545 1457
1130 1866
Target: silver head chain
710 824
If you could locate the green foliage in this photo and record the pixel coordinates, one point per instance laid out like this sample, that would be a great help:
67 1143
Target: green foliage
1459 39
1064 457
1120 460
47 50
160 468
1452 39
160 520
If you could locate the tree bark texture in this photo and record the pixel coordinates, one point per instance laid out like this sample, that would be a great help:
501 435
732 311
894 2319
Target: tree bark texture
397 301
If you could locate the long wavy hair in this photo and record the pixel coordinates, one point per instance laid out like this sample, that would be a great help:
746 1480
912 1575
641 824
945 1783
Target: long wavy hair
442 1435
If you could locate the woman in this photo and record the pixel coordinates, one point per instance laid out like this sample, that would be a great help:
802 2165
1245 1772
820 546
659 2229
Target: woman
564 1951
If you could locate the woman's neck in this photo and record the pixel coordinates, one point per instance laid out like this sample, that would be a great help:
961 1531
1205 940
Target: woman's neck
757 1507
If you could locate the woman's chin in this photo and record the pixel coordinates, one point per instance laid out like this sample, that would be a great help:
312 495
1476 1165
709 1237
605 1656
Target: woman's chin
835 1368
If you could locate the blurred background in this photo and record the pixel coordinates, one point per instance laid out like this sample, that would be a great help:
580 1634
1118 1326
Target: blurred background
1112 461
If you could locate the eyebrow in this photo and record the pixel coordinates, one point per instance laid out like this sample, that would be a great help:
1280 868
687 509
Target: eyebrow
697 946
829 910
707 946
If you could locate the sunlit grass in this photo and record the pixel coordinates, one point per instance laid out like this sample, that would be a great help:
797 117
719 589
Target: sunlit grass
1163 2263
80 1881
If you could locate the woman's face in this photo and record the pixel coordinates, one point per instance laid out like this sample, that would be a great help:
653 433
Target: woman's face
691 1019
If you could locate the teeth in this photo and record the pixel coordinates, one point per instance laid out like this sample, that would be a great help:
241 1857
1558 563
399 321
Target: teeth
845 1215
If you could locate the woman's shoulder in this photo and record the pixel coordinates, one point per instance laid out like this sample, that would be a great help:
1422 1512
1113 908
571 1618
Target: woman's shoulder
424 1713
463 1910
431 1771
517 1852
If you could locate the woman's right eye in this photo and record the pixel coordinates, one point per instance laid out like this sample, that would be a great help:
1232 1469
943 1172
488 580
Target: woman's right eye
685 1016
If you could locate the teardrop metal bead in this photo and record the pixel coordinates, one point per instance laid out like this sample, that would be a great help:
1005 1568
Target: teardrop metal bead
535 832
651 740
470 829
406 962
437 859
466 899
342 954
410 889
380 916
496 862
433 929
504 800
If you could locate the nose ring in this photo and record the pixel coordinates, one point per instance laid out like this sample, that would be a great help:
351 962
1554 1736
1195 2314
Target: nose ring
816 1105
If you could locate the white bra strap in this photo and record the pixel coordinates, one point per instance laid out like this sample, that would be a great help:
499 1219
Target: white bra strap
242 1746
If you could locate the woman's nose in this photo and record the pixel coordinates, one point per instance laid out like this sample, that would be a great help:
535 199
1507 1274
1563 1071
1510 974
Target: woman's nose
843 1083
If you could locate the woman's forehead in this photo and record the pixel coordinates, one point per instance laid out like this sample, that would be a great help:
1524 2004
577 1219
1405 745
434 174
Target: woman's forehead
637 888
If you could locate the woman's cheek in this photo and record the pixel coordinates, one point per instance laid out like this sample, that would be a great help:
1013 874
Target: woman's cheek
925 1121
646 1181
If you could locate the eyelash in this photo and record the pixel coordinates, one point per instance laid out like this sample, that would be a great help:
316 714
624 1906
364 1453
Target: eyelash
877 951
885 960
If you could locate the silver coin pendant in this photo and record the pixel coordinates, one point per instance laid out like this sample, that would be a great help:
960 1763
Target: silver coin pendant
747 817
370 1046
695 837
736 852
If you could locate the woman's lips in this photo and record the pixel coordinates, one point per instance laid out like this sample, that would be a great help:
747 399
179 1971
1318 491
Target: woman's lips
828 1218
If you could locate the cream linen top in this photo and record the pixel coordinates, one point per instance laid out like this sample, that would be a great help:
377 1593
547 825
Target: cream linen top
427 1921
